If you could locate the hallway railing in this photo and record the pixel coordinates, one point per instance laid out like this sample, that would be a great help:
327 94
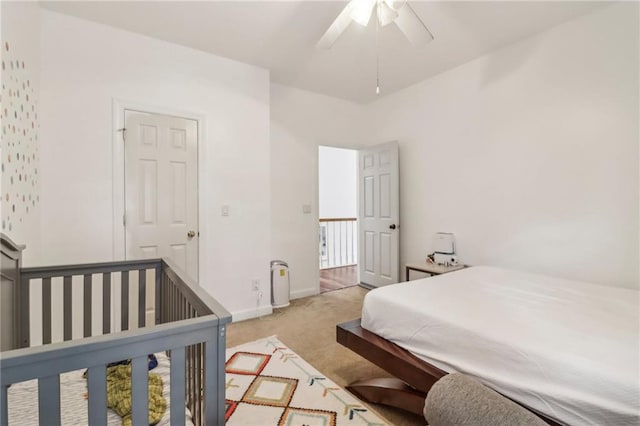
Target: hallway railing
338 239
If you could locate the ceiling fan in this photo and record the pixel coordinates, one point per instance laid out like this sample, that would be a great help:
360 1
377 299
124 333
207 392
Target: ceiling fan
398 12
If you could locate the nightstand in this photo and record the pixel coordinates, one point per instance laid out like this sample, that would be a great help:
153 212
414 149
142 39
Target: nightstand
431 268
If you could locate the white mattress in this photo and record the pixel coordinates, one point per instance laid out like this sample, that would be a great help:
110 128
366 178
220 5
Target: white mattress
563 348
23 399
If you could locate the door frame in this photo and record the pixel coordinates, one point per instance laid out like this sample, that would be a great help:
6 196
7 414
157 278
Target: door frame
119 106
355 147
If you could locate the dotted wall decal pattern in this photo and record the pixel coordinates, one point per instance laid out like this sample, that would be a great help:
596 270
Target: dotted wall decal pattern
19 144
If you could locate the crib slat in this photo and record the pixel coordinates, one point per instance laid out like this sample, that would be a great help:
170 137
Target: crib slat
198 404
67 308
46 310
142 296
213 383
158 306
87 305
139 391
25 288
106 303
189 375
124 299
161 300
49 400
177 383
97 384
169 300
165 296
172 301
194 371
4 406
174 306
176 302
183 307
172 297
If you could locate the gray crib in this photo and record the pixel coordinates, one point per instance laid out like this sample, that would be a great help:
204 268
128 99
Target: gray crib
189 326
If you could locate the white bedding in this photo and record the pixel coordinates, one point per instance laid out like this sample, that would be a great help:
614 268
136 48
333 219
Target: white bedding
23 399
563 348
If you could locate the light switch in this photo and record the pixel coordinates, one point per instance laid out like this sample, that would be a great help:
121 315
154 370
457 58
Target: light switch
225 210
306 208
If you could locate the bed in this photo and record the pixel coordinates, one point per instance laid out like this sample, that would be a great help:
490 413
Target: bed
107 312
566 350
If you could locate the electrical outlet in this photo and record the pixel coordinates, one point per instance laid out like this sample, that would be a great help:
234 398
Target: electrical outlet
255 285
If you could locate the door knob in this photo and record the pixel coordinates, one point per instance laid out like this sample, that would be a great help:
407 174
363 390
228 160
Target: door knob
191 234
392 226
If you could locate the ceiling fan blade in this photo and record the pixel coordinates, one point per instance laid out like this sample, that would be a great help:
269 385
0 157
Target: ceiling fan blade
337 27
412 26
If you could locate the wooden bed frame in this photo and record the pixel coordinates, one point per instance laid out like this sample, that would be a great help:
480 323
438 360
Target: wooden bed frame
414 377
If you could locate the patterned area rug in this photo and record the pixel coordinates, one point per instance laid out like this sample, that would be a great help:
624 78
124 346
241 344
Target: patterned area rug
269 384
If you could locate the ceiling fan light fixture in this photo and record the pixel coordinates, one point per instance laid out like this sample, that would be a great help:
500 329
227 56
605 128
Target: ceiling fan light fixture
398 12
361 11
386 13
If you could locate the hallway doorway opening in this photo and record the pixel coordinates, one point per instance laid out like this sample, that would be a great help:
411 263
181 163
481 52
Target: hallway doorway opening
338 224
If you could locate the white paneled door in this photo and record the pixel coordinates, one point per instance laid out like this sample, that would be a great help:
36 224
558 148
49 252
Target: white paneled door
378 214
161 186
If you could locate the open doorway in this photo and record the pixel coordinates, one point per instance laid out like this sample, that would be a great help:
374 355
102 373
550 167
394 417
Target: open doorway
338 212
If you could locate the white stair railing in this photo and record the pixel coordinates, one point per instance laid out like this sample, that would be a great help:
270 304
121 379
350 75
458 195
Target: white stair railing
338 239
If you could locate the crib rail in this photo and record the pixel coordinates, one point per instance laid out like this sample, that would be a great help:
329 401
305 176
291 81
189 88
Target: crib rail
88 273
182 299
189 324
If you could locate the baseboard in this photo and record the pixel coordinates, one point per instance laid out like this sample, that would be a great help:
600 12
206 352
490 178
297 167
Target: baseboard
268 309
299 294
251 313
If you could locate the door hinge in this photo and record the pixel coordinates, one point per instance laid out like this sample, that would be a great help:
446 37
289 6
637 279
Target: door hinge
123 130
124 219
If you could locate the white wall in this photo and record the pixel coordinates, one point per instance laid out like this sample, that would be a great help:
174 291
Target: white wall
300 122
338 182
84 67
20 127
529 154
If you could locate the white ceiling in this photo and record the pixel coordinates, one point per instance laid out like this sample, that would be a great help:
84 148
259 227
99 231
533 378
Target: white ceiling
281 36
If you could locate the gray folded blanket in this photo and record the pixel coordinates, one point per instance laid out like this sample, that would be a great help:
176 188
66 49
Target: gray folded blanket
458 400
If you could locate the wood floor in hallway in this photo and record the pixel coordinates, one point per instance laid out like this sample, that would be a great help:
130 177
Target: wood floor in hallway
337 278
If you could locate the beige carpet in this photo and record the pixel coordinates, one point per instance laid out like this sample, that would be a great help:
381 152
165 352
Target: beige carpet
308 327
